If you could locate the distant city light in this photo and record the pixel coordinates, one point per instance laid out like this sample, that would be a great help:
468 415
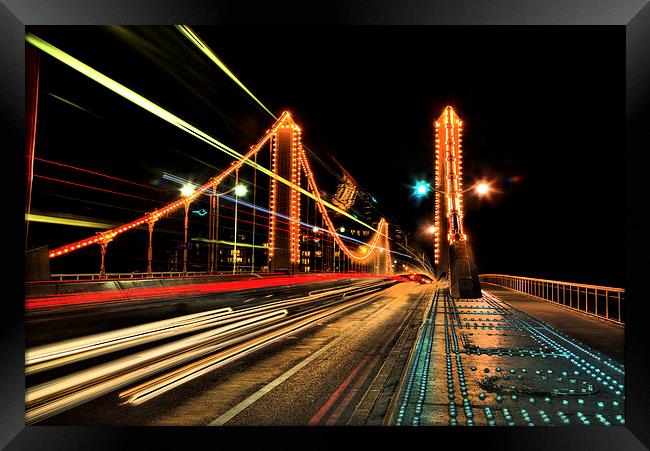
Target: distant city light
315 230
342 229
241 190
187 190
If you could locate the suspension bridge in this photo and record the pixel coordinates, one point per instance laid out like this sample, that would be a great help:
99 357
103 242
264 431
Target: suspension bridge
316 319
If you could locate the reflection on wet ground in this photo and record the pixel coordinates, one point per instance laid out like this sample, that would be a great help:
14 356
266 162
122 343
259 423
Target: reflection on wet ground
483 362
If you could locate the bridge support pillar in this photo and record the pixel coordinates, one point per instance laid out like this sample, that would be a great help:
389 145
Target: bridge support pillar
102 269
463 277
150 224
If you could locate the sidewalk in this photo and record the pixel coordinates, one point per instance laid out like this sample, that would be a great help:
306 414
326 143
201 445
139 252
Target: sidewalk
599 334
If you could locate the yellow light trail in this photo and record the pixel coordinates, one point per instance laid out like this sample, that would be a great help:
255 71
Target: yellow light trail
73 104
231 243
67 221
189 34
148 105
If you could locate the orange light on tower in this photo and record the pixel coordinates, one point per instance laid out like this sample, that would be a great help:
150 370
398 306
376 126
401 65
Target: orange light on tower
449 178
285 200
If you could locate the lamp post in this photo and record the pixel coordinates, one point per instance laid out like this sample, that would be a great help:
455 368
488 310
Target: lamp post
186 191
240 190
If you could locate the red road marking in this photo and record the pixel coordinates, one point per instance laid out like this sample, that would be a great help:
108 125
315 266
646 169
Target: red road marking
323 410
357 386
361 380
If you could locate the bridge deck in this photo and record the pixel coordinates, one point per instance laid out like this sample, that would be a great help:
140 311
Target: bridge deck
495 361
599 334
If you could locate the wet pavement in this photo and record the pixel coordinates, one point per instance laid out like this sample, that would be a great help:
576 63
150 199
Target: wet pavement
487 362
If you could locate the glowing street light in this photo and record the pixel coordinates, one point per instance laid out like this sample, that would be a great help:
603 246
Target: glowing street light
315 229
432 229
421 189
342 229
187 190
482 189
240 190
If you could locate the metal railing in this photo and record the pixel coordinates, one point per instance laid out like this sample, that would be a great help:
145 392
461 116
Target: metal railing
603 302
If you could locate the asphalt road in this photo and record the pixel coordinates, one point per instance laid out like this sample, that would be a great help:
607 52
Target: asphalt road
49 326
340 369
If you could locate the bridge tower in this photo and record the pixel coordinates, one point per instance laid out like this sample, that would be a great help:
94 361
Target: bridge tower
284 204
453 253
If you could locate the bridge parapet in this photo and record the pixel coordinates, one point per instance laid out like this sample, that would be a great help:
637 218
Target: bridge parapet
600 301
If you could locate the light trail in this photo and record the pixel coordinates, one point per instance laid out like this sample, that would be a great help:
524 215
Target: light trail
81 185
200 289
231 243
166 382
95 173
194 39
74 105
69 391
189 34
263 324
174 120
54 355
48 219
182 181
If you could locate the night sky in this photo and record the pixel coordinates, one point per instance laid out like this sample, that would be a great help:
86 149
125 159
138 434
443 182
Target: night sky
542 111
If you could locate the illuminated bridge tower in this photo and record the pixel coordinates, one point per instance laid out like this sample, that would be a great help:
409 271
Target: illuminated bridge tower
453 253
284 220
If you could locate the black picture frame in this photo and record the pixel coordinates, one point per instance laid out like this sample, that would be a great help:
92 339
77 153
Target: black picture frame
634 15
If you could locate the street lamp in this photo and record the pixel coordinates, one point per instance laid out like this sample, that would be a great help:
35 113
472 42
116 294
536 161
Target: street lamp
482 188
432 229
186 191
240 190
421 189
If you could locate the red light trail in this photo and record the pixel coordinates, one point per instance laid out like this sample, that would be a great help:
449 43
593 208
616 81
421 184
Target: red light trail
96 173
92 187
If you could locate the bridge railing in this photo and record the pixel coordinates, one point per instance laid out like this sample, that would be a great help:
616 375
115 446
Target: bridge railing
603 302
125 275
